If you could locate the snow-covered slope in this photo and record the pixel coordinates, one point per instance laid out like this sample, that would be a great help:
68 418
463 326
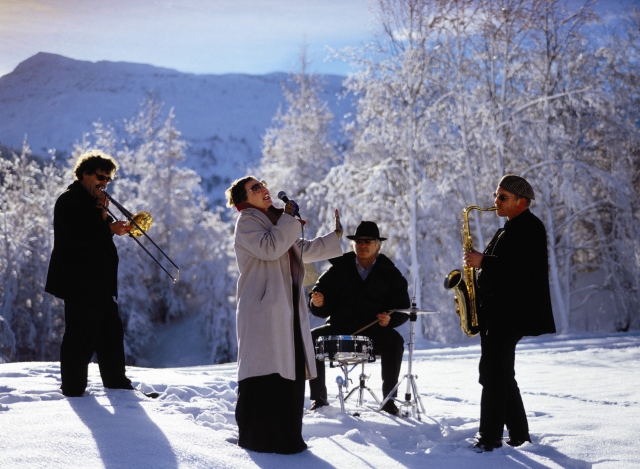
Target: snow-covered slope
581 393
53 100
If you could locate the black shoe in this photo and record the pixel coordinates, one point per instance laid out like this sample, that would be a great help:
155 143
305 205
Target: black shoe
68 391
390 408
126 387
481 445
318 403
515 442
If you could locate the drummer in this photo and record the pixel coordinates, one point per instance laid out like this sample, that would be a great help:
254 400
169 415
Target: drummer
359 287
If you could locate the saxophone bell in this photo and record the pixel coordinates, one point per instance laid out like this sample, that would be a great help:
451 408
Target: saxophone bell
468 322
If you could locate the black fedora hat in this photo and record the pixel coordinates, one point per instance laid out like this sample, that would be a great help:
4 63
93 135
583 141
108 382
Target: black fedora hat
368 229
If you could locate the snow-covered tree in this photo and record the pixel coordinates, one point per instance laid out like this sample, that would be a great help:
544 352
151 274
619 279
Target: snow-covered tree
152 178
456 94
401 89
563 102
297 150
30 321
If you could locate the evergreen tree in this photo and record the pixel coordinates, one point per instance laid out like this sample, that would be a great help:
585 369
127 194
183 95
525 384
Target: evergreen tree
297 150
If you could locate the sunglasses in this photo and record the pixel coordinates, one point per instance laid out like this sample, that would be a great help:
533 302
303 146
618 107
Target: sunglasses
366 241
257 187
502 197
102 178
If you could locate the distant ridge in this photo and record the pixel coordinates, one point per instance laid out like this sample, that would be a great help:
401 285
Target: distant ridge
46 59
53 100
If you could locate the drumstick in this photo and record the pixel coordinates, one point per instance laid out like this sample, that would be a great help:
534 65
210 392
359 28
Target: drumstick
369 325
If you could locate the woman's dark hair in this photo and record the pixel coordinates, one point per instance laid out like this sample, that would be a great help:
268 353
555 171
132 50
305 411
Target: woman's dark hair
236 192
90 161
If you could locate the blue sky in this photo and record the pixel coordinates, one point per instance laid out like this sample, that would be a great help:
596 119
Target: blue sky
198 36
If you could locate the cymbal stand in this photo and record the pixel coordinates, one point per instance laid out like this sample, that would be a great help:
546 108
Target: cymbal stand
412 404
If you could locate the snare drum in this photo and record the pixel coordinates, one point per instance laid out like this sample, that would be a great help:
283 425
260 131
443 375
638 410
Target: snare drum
344 348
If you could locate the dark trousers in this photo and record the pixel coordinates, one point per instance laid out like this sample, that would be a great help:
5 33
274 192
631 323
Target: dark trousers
387 342
501 403
92 325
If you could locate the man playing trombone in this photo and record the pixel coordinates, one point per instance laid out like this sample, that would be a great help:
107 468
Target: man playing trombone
83 271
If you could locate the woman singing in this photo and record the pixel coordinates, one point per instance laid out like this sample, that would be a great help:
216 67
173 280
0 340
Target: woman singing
275 349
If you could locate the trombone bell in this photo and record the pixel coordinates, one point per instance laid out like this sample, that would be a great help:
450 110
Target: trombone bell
141 223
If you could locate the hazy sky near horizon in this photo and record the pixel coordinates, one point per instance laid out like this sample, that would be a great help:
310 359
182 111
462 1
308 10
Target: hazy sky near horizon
196 36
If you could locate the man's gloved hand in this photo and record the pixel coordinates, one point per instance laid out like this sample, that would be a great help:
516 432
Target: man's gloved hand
292 208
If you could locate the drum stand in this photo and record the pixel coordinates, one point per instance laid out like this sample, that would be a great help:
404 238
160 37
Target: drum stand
414 405
361 388
344 383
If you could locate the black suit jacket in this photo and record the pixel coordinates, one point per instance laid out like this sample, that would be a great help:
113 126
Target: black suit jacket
350 303
84 261
513 283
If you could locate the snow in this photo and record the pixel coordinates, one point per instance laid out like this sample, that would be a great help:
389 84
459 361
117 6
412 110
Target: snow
581 392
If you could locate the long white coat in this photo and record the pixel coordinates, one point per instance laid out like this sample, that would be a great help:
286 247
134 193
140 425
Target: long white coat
264 314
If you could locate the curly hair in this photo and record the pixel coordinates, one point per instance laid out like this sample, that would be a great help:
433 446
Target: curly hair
90 161
236 192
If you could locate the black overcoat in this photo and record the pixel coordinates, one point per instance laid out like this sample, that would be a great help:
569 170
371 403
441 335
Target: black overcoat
84 261
351 303
513 283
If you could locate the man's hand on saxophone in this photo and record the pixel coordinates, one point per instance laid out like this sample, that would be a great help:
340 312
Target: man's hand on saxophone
472 259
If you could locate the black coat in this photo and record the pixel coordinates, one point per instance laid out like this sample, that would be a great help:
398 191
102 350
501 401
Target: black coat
350 303
84 261
513 283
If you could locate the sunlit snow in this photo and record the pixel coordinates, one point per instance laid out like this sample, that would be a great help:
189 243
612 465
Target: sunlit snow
582 395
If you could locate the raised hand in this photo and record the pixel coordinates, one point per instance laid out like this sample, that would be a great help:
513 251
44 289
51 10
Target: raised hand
338 229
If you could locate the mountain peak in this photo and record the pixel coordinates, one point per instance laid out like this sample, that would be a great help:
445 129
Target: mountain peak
40 60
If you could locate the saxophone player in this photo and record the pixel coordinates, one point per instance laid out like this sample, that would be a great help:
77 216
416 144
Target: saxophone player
514 301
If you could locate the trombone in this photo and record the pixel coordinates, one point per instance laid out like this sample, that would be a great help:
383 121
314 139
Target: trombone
141 223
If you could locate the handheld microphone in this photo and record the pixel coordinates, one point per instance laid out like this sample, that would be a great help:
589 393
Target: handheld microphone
282 195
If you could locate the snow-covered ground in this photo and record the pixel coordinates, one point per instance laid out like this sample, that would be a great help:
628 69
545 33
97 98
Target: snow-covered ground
582 394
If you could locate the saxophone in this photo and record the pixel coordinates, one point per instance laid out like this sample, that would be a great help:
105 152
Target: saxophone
464 289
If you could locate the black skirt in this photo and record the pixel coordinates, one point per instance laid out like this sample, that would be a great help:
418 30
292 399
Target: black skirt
269 408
